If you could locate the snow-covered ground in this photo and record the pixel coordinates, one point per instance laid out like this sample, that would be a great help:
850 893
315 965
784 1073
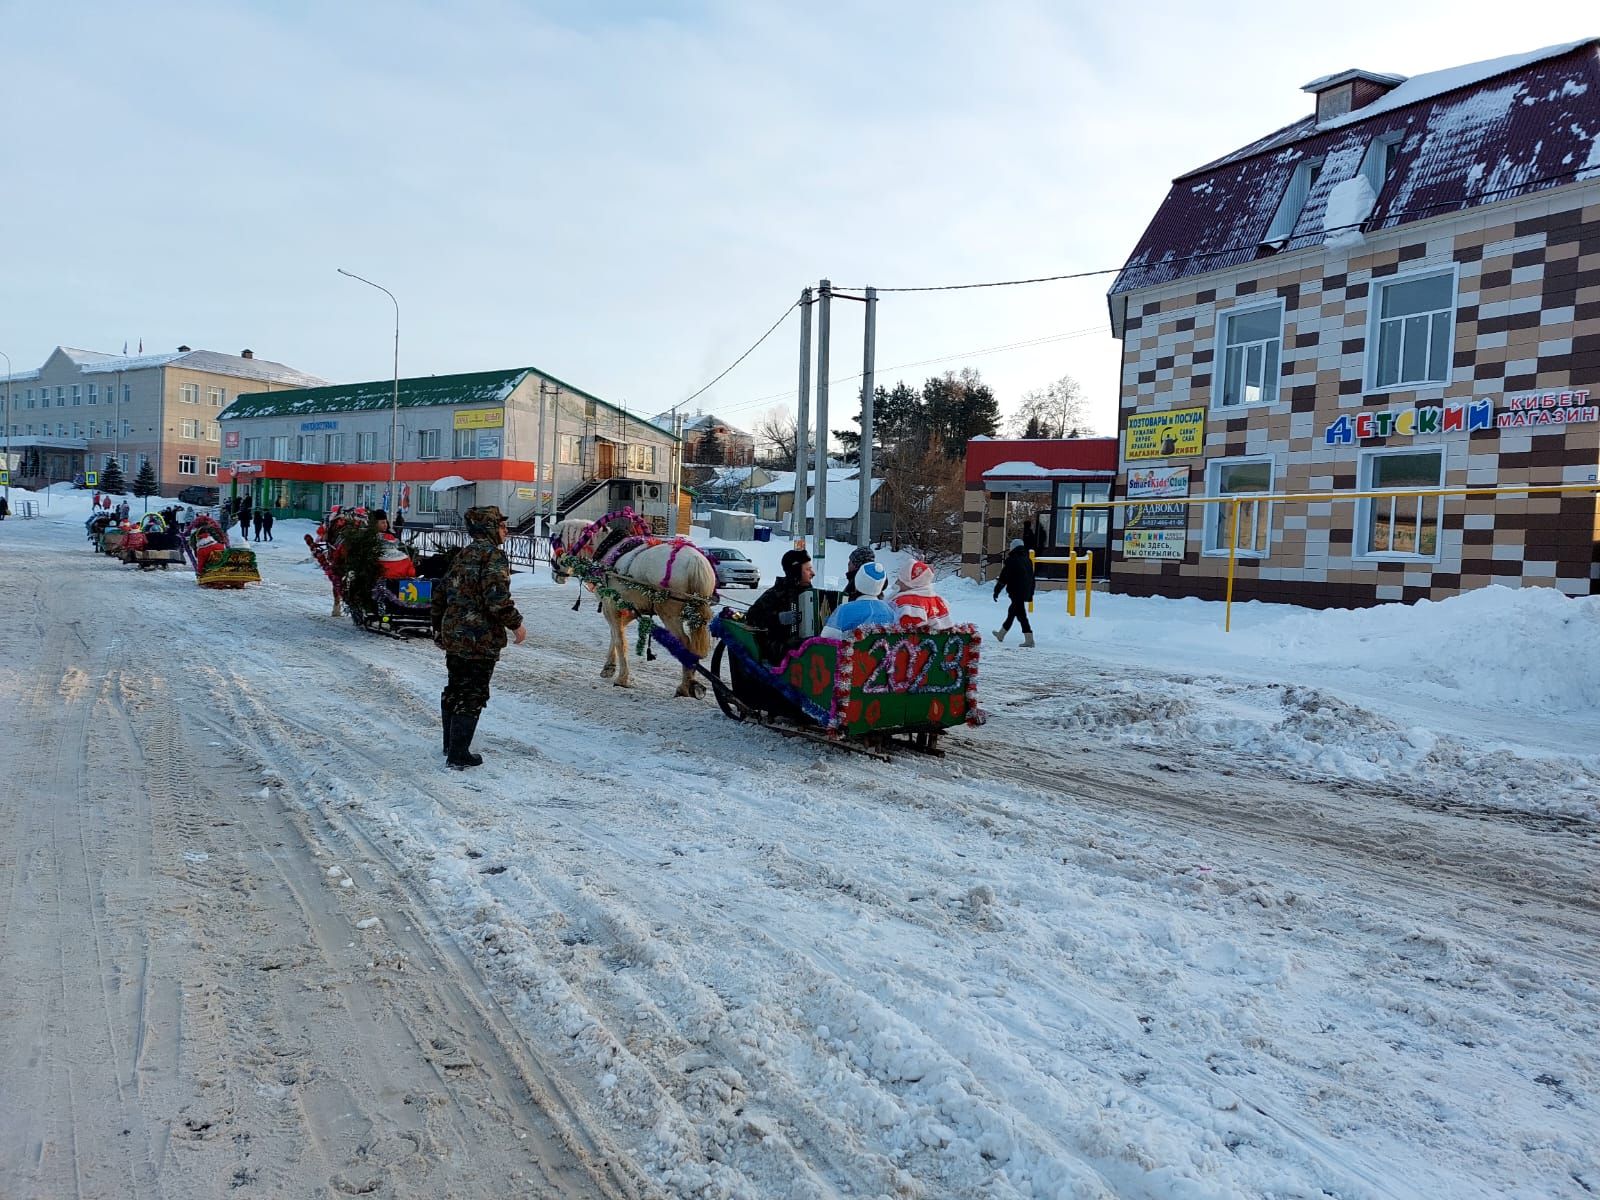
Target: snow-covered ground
1306 909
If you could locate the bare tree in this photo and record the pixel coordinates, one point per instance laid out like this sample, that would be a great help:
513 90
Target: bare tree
1057 411
775 439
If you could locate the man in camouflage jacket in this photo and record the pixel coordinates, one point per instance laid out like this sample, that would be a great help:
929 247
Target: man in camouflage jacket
478 610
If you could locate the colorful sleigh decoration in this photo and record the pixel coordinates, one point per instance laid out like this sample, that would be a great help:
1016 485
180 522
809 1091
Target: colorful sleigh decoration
879 684
151 545
215 563
373 576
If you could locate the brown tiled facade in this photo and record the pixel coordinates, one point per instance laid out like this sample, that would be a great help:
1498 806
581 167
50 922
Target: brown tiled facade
1527 320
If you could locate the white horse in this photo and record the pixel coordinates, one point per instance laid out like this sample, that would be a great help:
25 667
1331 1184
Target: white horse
670 581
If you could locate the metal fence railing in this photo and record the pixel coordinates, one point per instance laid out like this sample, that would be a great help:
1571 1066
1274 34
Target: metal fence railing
523 549
1389 498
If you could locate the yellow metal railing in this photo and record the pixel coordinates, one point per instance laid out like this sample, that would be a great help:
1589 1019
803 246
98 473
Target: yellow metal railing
1269 498
1073 562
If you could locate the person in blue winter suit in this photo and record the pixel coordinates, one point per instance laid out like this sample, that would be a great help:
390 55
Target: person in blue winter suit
869 607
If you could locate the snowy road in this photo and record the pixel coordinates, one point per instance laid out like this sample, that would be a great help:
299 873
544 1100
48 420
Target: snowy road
646 951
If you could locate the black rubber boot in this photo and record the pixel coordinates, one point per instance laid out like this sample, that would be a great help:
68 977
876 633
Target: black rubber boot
462 728
444 720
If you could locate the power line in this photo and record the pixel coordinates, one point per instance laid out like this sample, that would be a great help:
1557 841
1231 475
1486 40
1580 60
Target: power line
1423 209
1022 345
742 357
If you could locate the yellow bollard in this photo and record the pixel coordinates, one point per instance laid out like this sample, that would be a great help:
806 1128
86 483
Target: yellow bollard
1072 585
1033 561
1088 582
1233 550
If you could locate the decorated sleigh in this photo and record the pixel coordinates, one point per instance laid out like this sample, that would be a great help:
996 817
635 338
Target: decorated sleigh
151 545
883 686
374 577
217 564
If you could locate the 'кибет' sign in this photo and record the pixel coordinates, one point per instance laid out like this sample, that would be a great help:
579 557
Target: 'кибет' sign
1408 422
1180 433
1547 408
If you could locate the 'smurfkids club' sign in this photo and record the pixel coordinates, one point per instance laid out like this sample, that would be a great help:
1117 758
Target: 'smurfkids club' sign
1548 408
1409 422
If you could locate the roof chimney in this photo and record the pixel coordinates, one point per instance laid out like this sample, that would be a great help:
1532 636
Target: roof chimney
247 354
183 349
1349 91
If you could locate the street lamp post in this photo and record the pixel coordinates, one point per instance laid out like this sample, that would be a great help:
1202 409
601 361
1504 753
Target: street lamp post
7 357
394 425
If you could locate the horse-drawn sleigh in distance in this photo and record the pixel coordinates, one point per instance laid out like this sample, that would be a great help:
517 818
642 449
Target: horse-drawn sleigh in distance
373 576
869 689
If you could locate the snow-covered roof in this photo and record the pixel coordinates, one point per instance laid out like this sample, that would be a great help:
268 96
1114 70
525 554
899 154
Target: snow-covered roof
94 362
783 482
729 477
1324 82
844 498
1032 470
1466 136
1437 83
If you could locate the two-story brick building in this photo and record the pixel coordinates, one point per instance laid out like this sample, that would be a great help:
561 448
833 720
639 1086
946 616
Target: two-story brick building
1399 291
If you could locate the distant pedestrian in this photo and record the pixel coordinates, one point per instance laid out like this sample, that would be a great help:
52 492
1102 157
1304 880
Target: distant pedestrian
266 524
478 611
1016 577
260 523
1030 536
5 508
400 524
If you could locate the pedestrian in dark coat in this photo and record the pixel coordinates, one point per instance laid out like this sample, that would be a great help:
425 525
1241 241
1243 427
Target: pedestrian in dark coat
260 521
266 520
478 611
1016 578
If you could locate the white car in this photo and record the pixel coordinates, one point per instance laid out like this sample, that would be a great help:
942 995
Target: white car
733 568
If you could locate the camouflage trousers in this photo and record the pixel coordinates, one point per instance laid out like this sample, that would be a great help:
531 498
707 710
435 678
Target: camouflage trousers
467 690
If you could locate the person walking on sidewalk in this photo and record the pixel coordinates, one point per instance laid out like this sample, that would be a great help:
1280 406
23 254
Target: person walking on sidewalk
1016 578
478 611
266 526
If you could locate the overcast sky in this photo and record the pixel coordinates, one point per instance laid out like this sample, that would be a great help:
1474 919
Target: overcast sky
626 195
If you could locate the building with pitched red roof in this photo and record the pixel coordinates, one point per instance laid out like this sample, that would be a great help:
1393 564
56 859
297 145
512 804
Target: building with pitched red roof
1399 291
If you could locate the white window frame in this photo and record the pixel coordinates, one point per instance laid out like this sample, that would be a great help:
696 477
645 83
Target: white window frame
1301 180
642 458
214 395
333 495
77 395
466 444
188 464
1397 505
366 447
212 463
335 448
250 447
189 393
1255 520
189 428
569 449
1375 320
1219 355
428 443
94 393
427 501
61 396
278 446
1376 162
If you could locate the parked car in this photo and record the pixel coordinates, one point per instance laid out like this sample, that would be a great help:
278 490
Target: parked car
733 568
200 497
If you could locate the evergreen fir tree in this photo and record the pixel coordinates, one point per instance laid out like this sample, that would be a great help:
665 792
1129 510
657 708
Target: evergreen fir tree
144 484
111 481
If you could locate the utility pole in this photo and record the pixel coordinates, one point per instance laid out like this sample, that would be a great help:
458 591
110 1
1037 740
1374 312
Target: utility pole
820 492
542 466
864 458
797 525
7 357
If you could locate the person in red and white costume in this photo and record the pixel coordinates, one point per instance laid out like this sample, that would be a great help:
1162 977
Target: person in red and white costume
917 605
